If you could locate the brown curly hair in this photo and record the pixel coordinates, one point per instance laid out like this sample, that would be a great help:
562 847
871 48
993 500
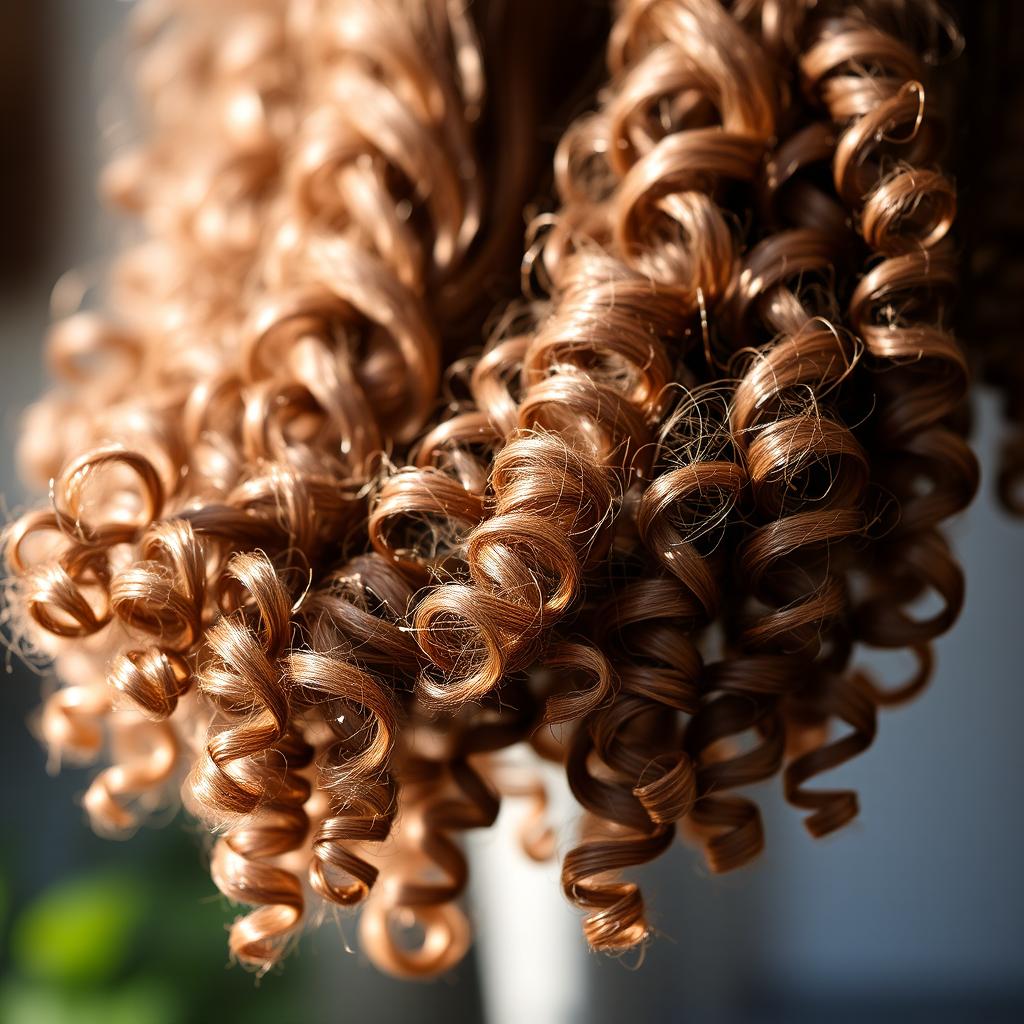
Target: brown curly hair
327 563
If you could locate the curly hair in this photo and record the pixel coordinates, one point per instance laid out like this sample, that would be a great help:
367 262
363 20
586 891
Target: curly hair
313 190
840 461
332 562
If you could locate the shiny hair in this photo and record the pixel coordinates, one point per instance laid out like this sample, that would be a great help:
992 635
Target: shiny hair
785 507
326 565
328 194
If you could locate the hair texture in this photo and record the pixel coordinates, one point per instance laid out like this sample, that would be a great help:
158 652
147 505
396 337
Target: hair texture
834 452
327 564
311 188
802 481
897 309
637 248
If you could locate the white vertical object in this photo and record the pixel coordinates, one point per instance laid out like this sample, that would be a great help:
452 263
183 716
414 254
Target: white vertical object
529 947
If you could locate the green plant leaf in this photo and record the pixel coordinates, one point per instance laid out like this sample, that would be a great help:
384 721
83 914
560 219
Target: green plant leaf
141 1001
79 931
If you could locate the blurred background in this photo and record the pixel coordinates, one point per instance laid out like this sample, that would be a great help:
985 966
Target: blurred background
915 913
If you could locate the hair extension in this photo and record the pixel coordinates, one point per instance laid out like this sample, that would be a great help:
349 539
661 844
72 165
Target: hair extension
524 561
808 477
332 678
896 309
248 767
647 781
429 871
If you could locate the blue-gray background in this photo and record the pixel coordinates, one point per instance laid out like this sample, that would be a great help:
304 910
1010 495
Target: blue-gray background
916 912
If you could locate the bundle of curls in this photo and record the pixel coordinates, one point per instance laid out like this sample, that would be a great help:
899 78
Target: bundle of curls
398 440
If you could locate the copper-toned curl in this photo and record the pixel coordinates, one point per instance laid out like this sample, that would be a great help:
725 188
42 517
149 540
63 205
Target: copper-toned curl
244 682
428 871
243 863
119 797
246 771
362 717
